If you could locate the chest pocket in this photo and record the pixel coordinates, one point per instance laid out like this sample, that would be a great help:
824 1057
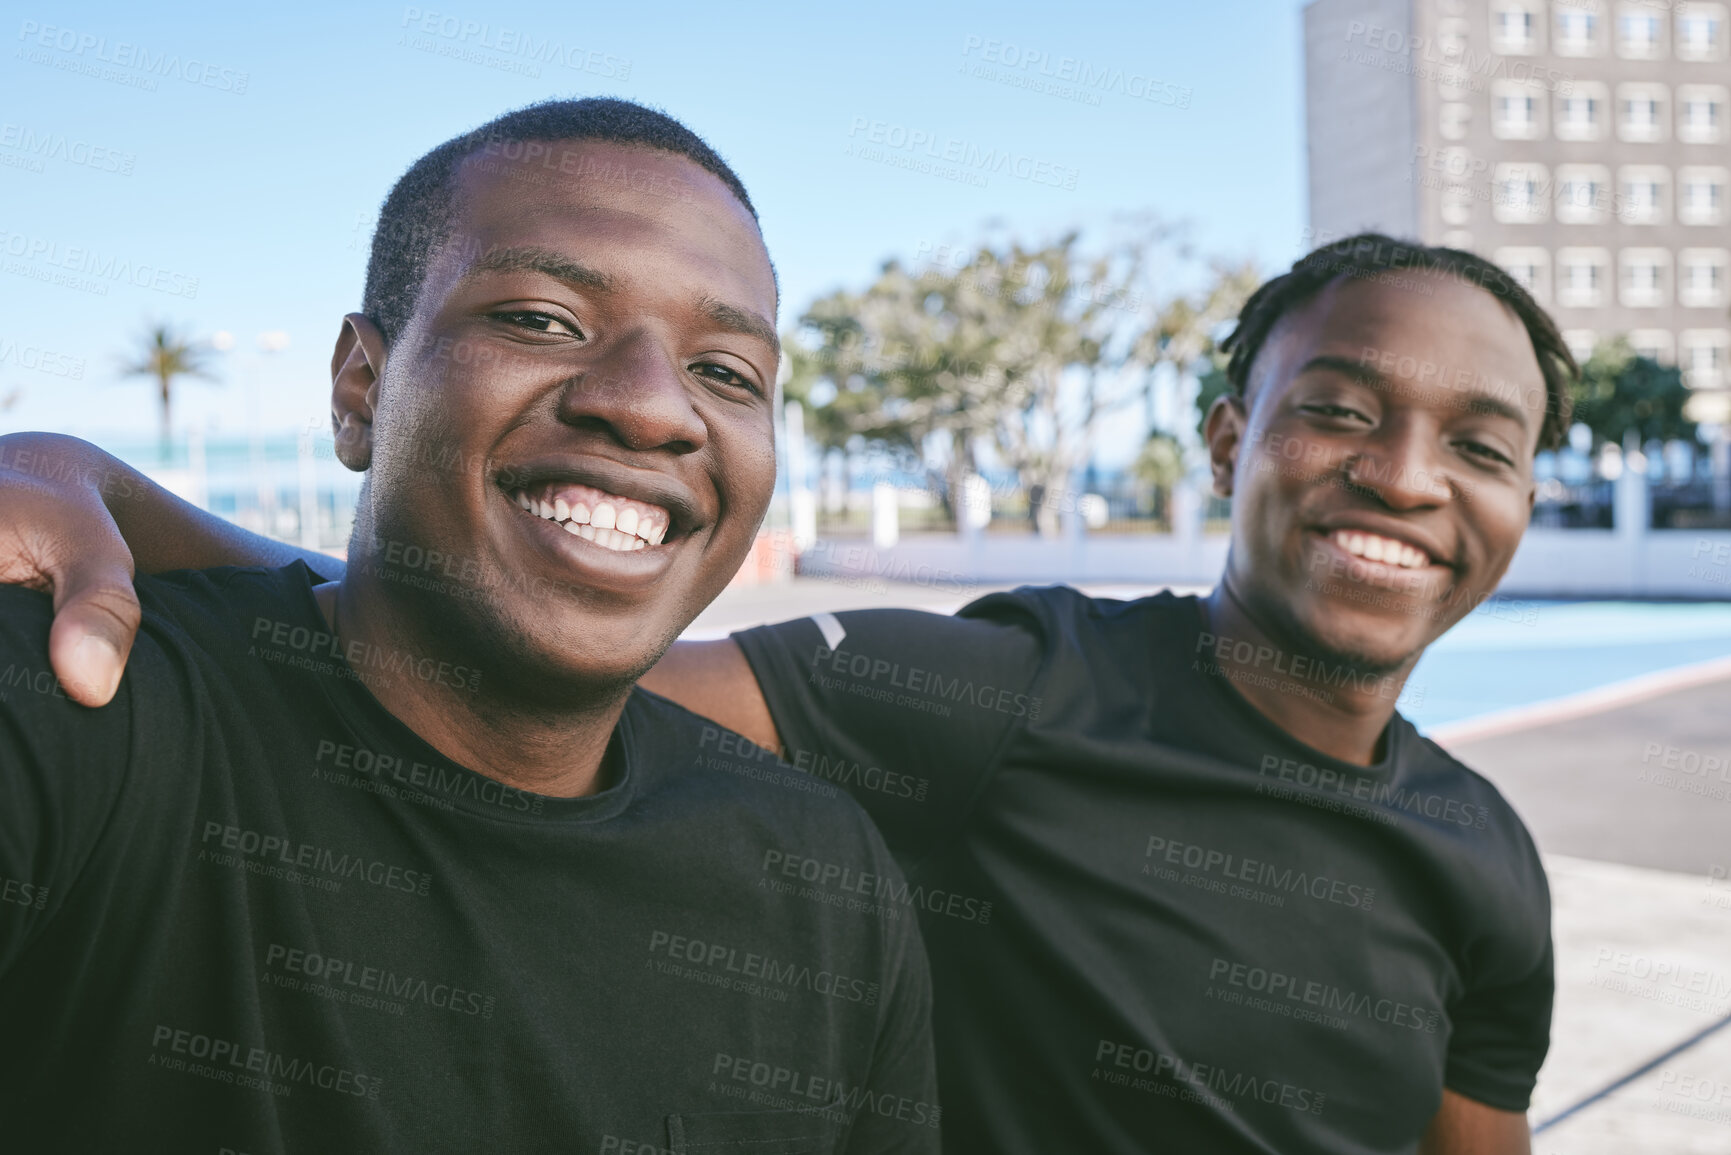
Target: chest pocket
751 1133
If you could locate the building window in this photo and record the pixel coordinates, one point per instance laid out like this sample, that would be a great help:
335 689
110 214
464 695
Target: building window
1704 357
1577 31
1640 32
1645 278
1701 278
1700 31
1453 119
1641 112
1654 345
1456 207
1451 39
1583 193
1515 27
1642 192
1519 193
1530 268
1581 343
1581 112
1701 195
1700 113
1582 275
1517 111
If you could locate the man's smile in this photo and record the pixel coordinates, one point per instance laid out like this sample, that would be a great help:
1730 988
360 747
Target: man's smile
607 519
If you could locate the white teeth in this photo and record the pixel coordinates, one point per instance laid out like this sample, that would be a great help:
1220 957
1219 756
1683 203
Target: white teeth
617 526
1382 549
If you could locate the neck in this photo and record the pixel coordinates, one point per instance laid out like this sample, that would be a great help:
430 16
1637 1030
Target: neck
1316 698
461 707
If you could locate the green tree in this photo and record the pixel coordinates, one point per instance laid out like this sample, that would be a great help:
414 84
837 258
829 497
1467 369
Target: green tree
1011 347
1183 330
1619 393
167 356
1211 385
1160 466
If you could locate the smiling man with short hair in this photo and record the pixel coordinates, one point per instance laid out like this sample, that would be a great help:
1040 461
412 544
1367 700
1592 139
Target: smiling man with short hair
405 862
1188 880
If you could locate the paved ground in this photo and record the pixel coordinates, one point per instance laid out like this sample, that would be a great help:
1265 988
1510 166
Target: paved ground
1635 820
1633 816
1645 784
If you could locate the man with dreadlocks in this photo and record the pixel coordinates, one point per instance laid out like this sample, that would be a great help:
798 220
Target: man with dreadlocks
1188 880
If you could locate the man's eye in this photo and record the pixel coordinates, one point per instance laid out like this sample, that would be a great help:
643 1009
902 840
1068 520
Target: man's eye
1483 452
538 321
721 373
1339 412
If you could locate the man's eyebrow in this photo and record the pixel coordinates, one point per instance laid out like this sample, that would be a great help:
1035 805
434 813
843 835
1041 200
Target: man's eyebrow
537 260
739 320
1484 403
1358 370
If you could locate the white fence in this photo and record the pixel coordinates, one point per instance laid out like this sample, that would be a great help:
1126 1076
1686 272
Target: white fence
1629 561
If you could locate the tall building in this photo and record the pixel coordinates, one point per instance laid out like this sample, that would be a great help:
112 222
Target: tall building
1583 145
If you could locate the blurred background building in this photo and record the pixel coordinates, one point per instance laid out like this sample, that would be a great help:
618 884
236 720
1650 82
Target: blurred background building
1580 144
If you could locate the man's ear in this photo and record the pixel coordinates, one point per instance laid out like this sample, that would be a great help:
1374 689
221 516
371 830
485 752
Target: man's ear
1223 429
356 366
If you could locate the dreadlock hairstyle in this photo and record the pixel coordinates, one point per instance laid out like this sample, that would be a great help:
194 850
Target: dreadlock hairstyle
419 215
1376 257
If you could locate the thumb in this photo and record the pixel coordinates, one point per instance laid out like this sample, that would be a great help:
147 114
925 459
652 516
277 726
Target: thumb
96 615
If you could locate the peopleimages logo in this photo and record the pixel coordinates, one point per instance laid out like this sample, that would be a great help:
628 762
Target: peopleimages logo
88 269
970 158
81 51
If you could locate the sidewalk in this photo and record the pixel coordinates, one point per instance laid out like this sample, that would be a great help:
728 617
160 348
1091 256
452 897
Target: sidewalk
1635 826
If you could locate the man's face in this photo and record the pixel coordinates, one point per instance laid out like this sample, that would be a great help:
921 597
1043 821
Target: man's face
580 405
1385 475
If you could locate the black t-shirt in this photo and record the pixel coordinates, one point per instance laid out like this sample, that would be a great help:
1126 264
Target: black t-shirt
1156 921
247 909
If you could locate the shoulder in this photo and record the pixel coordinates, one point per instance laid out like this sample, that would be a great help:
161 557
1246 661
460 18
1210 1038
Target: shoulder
1062 617
1496 856
689 756
225 599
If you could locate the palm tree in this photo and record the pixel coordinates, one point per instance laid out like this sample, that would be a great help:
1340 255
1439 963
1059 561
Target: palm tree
167 356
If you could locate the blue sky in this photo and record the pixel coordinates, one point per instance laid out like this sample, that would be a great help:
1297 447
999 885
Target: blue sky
219 168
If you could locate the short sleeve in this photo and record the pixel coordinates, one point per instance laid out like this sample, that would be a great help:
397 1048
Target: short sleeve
907 710
1502 1024
61 769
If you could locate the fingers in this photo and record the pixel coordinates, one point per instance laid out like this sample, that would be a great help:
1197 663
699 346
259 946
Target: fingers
96 615
57 534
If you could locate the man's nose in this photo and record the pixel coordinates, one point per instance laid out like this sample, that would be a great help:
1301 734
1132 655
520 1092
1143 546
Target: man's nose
638 391
1401 464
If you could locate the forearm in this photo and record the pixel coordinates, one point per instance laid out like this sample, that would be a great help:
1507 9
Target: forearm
163 532
1466 1127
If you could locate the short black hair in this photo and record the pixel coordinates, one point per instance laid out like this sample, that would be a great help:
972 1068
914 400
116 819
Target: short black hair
1376 257
420 213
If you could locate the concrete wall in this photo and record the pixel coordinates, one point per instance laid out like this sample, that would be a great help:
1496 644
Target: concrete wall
1575 563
